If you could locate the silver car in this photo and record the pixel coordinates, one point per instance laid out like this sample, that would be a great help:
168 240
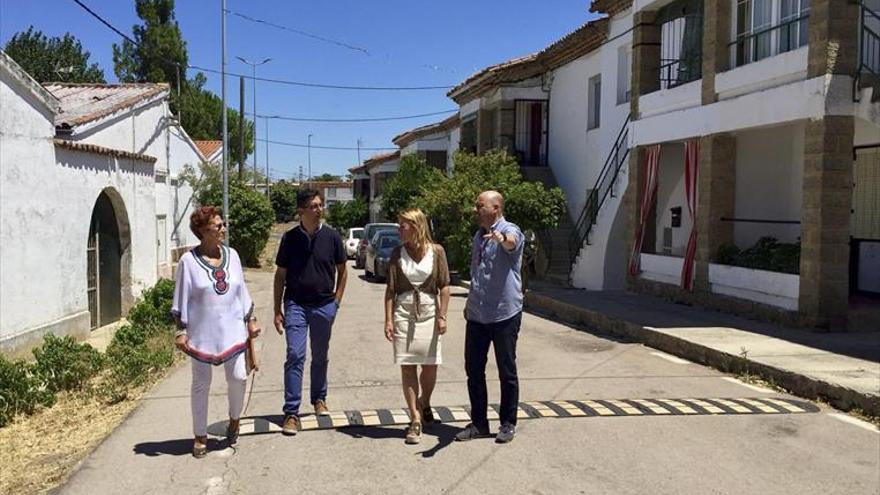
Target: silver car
379 253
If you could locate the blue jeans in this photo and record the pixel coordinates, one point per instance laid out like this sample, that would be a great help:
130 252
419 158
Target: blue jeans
502 336
300 323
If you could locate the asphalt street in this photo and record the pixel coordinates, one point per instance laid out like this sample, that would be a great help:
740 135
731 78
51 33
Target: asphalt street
803 453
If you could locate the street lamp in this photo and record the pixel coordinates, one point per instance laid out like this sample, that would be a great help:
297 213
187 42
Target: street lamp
254 72
310 157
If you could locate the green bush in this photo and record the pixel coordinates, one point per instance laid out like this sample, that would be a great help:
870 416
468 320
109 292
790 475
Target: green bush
412 178
250 216
21 390
449 203
283 199
767 254
345 215
155 306
65 364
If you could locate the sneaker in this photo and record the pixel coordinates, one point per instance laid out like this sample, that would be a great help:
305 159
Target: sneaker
321 409
505 434
470 432
414 433
291 425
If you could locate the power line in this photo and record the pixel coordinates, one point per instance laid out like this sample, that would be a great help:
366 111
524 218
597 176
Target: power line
265 79
364 119
300 32
299 145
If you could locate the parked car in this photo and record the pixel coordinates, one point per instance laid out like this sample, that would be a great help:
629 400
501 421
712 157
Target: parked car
355 234
379 253
370 230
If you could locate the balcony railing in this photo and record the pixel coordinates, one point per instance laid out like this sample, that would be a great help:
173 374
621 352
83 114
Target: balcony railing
681 50
766 42
870 59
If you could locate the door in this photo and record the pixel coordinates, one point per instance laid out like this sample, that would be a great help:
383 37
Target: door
865 222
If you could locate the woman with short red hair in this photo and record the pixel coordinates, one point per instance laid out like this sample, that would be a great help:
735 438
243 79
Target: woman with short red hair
214 314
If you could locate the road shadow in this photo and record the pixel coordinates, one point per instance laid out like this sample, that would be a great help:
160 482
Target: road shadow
175 447
445 435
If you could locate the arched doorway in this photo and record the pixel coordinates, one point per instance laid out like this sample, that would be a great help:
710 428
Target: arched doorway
107 259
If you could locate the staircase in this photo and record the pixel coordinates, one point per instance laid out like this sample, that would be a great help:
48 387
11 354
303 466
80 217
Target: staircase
868 75
602 190
555 240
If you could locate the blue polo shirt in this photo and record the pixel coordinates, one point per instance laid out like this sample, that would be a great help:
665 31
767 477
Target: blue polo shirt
311 262
496 281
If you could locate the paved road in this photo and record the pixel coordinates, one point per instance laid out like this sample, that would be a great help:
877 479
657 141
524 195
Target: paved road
748 453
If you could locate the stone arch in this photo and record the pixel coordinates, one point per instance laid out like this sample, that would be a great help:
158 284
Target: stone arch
108 258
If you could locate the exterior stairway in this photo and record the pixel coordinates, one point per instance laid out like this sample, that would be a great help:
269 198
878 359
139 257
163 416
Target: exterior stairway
555 241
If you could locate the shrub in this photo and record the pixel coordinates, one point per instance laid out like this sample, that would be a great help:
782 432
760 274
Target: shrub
155 306
250 216
345 215
65 364
767 254
21 390
283 200
412 178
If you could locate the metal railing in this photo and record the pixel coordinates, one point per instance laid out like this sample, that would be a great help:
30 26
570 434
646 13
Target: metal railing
766 42
870 56
600 192
675 72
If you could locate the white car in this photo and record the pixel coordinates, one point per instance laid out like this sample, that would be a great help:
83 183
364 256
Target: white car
355 234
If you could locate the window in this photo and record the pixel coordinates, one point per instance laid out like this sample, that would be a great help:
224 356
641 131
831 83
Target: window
331 192
624 53
769 27
594 101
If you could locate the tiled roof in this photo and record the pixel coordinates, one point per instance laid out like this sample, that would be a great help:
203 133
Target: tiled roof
209 148
610 7
28 82
83 103
323 184
405 138
101 150
578 43
381 158
358 170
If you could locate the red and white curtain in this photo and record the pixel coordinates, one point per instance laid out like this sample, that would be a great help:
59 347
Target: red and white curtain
691 174
651 167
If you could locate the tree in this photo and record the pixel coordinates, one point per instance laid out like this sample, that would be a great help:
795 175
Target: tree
450 202
412 178
326 178
284 201
345 215
250 217
59 59
159 54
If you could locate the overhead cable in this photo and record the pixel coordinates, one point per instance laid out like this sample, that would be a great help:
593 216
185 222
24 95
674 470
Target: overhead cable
363 119
299 145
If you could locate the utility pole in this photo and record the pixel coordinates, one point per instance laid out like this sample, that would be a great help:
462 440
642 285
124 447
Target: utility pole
268 194
300 174
254 72
225 129
310 157
241 153
359 151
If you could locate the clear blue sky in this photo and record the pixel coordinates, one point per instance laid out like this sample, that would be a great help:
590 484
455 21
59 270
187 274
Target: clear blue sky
411 43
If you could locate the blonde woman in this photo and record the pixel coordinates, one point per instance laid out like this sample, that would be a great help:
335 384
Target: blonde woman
416 301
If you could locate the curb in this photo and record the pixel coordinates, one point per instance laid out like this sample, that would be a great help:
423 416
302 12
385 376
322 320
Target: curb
798 384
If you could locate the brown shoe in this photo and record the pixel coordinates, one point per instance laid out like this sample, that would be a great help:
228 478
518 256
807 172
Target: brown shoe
321 409
414 433
290 426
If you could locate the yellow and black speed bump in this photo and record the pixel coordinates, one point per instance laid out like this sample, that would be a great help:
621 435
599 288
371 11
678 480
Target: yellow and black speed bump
542 409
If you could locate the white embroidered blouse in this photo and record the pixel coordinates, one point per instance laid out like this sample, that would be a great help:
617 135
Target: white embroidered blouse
213 305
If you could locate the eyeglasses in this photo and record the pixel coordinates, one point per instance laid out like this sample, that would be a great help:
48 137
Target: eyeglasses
314 207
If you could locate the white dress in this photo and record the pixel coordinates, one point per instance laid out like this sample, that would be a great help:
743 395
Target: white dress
415 338
213 304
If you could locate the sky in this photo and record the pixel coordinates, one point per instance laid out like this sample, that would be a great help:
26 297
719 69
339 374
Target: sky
397 43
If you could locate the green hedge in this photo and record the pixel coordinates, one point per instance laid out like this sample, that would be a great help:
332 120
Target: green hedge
767 254
137 352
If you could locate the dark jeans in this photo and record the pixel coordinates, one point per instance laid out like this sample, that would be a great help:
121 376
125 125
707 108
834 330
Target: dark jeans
502 336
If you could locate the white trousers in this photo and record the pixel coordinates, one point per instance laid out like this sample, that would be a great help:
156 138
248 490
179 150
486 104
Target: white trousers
236 380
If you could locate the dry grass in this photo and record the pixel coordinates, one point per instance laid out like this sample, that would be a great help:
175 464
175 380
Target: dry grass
38 452
267 259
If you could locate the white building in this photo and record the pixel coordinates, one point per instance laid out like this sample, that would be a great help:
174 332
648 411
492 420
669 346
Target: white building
91 212
380 168
333 192
436 143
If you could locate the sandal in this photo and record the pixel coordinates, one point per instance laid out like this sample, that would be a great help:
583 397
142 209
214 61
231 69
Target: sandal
200 447
232 432
414 433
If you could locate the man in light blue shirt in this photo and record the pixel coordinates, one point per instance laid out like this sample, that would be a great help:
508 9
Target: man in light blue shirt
493 313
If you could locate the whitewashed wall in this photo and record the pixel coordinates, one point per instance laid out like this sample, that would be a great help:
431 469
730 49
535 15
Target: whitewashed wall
453 145
670 194
577 155
769 182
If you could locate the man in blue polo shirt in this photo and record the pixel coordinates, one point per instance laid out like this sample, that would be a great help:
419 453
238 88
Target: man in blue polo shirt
310 257
493 313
